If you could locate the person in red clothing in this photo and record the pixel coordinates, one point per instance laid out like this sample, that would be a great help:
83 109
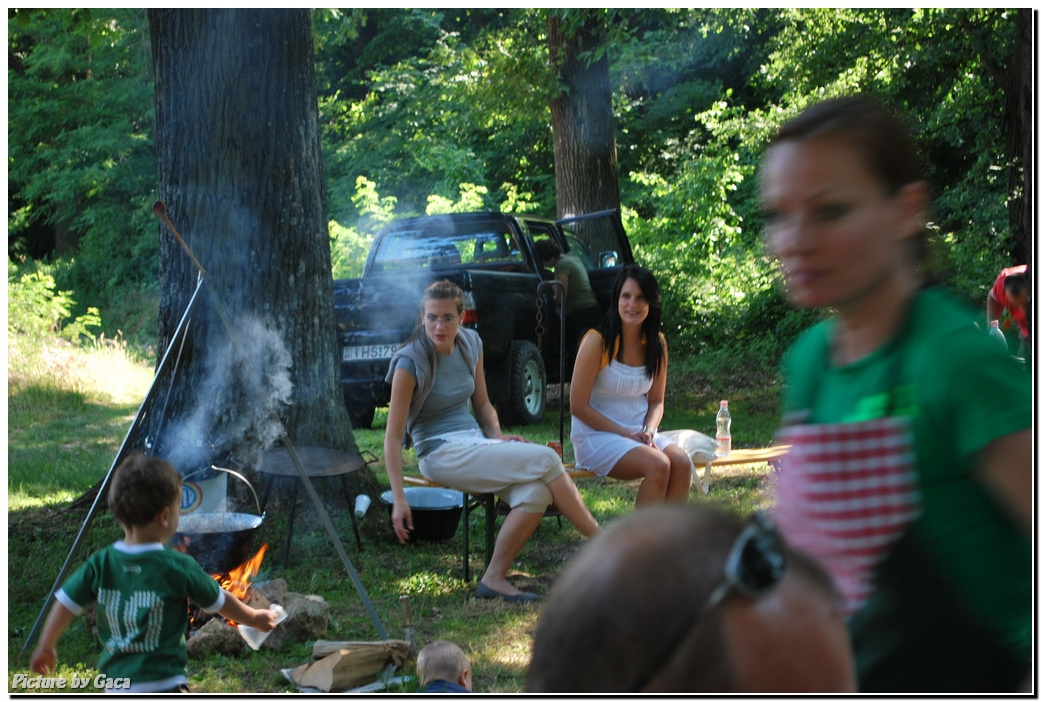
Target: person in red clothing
1011 292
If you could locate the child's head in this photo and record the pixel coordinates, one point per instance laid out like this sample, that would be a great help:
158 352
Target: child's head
142 486
443 660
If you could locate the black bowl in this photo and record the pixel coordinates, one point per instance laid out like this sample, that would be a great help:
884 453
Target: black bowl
435 511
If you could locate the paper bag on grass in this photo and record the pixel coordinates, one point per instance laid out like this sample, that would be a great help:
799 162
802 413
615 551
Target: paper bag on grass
347 664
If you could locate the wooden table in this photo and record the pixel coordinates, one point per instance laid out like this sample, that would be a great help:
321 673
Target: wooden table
736 457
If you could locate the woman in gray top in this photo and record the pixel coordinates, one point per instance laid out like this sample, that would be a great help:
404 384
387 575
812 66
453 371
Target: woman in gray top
435 379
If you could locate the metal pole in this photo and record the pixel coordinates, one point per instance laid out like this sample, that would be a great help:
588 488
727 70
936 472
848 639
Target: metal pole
178 333
337 544
560 397
173 381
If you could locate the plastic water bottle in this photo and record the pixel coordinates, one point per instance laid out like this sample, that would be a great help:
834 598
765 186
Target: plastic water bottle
996 333
723 429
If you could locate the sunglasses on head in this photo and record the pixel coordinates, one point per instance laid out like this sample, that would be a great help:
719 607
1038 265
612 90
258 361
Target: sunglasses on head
753 567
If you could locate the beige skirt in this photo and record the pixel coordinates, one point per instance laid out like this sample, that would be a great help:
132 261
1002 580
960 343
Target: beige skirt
514 471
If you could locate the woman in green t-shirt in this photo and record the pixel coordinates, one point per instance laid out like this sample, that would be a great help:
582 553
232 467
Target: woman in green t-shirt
909 475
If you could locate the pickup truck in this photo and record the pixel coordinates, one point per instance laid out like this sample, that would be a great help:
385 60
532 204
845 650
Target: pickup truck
492 257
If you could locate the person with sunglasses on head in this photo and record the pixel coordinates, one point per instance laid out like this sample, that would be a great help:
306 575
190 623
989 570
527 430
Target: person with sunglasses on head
909 474
618 395
439 399
690 599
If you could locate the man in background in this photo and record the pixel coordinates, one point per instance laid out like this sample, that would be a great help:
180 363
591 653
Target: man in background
581 310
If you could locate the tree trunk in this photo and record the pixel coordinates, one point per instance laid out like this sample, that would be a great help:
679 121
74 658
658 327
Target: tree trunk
1018 103
240 171
584 154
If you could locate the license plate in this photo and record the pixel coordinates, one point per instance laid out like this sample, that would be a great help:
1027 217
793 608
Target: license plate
369 353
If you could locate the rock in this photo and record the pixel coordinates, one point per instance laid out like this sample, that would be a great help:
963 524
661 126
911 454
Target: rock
275 590
258 600
308 617
308 620
216 636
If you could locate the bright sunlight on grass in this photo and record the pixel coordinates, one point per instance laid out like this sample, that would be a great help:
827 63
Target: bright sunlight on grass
55 450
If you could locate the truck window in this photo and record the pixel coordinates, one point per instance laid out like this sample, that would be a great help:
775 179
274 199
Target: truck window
435 248
602 237
494 247
577 248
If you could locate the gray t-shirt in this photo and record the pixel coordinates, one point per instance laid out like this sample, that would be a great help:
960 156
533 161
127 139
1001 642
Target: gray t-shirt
447 407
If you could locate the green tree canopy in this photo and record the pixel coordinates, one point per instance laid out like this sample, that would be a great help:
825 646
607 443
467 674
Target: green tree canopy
434 109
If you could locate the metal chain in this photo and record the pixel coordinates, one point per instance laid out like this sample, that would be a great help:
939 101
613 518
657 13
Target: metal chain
539 303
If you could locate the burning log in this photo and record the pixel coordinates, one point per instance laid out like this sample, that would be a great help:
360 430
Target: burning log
344 665
238 582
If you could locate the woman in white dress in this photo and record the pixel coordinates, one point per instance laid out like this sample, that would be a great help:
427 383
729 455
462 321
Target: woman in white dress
618 395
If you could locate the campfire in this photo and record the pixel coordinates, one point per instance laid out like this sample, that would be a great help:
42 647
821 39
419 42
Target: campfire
238 582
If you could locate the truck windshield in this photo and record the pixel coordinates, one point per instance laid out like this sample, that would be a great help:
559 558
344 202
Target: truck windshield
472 243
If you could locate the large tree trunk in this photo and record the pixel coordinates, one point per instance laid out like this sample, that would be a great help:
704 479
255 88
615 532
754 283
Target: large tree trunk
1018 103
240 171
584 154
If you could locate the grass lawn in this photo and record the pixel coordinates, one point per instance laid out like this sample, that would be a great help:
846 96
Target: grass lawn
69 410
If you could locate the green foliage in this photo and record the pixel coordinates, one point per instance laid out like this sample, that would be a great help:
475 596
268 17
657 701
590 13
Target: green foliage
472 198
80 161
447 109
457 118
33 306
36 308
348 249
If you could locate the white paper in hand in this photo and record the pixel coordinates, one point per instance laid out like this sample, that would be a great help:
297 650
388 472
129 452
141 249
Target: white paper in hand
255 637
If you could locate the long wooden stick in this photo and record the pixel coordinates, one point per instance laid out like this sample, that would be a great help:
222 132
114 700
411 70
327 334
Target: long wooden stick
408 632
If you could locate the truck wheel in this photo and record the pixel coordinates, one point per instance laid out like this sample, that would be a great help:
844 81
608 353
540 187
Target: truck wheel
361 417
527 401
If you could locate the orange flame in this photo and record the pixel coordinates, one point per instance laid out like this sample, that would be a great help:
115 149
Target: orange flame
237 581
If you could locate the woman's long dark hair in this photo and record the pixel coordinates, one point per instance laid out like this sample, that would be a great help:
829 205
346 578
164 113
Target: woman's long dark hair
611 326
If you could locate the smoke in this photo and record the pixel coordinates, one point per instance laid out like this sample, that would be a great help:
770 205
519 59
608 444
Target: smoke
235 407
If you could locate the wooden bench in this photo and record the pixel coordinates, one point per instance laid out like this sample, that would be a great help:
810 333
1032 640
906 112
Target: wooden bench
487 500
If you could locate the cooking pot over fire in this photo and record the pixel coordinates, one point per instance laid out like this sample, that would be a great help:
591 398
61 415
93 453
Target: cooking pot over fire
219 541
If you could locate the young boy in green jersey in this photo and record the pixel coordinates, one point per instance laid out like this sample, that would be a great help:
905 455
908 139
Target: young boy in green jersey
142 588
